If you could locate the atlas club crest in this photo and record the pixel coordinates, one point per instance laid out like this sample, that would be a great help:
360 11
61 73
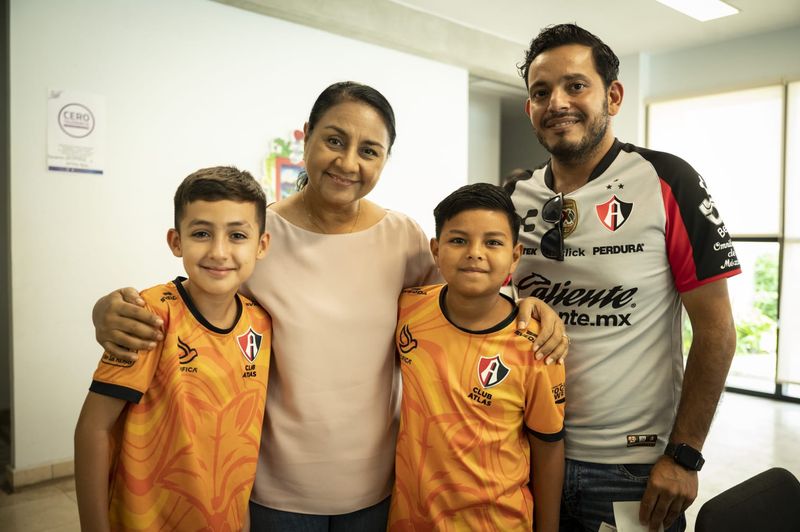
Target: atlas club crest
613 213
249 343
492 371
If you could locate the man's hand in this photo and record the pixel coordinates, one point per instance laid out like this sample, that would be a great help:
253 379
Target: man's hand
552 341
123 325
670 491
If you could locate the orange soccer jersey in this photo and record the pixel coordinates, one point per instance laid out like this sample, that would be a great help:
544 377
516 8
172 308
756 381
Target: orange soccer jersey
190 436
469 397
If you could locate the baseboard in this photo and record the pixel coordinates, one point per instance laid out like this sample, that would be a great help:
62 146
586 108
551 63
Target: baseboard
18 478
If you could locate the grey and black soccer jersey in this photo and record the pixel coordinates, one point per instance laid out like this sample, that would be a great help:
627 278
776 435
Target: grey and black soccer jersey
640 232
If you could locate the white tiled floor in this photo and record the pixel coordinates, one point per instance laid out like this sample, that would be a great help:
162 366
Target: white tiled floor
749 435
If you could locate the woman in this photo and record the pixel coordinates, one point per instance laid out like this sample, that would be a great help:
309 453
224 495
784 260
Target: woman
336 266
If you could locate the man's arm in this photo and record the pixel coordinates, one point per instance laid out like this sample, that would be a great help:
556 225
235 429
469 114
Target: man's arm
92 449
122 325
672 488
547 479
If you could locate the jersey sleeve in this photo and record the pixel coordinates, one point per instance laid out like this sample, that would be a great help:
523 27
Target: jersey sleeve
126 380
545 398
698 245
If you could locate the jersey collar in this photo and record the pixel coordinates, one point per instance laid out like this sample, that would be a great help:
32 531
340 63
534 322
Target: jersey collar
601 167
178 282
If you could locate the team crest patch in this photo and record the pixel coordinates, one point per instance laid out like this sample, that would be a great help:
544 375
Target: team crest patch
249 343
569 216
613 213
492 371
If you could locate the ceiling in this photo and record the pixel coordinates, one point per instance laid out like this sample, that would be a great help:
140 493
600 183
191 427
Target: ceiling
628 26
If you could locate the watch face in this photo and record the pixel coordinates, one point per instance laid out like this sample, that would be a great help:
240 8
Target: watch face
688 457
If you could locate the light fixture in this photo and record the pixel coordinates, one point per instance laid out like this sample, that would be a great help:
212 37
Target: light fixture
701 10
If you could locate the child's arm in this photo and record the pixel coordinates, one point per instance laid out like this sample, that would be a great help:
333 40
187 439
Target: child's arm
92 451
547 474
246 523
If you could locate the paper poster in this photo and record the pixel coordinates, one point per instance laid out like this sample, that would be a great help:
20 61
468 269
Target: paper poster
76 123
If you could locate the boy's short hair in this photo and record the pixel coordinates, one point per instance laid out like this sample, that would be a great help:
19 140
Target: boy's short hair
219 183
477 196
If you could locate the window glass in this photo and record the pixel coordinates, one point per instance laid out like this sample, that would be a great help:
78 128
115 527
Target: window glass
754 298
789 348
754 301
734 141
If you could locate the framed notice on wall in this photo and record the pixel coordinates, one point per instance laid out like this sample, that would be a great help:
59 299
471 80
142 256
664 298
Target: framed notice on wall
75 132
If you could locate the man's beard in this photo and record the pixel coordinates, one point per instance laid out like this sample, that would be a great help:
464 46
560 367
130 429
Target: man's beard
572 152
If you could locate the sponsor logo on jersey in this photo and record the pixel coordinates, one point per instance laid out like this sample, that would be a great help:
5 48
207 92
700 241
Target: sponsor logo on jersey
249 344
618 249
613 213
187 354
113 360
569 217
416 291
528 335
565 296
568 252
529 220
559 393
492 371
405 342
707 207
168 296
642 440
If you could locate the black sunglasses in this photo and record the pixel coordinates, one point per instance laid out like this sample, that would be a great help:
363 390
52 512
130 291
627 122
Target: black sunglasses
552 245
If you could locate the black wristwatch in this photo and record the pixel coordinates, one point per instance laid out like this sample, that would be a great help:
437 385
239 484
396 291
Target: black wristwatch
684 455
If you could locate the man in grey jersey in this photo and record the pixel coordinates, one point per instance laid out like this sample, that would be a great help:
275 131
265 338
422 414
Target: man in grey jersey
617 238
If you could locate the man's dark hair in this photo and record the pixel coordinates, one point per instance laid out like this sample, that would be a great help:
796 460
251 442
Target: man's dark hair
477 196
605 60
221 183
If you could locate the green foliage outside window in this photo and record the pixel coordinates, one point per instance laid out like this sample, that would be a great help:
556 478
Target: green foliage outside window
756 330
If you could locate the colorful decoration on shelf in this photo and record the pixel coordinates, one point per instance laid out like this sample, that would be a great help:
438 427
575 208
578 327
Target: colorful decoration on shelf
283 165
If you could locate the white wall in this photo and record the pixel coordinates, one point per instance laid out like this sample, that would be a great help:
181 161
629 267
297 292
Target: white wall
629 124
484 137
188 84
5 226
763 59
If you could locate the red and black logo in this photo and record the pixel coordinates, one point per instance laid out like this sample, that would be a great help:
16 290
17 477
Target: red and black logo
249 343
492 371
613 213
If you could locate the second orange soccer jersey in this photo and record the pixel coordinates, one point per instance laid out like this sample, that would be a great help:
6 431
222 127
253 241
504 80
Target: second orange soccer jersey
469 400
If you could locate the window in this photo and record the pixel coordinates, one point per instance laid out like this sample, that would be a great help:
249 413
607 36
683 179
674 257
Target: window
738 143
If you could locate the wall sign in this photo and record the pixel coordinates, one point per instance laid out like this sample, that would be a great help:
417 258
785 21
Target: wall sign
75 132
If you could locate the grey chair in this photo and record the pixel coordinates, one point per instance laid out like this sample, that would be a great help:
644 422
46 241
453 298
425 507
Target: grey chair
767 502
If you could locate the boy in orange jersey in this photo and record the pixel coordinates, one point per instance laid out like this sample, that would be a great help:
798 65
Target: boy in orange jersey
481 420
170 442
